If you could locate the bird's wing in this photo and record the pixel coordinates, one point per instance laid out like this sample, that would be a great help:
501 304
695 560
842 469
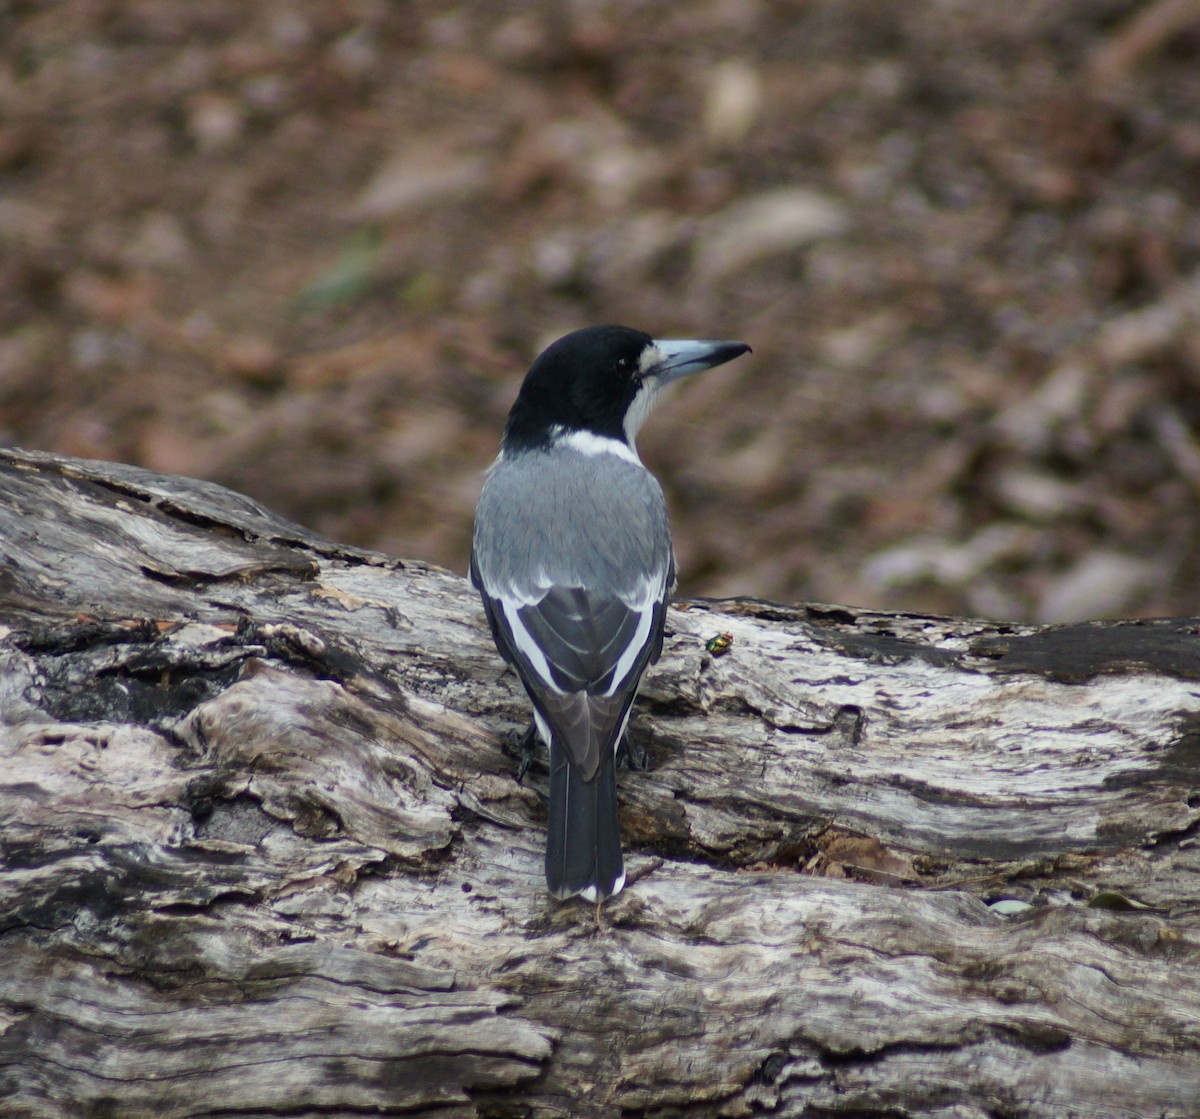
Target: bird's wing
580 654
574 566
583 640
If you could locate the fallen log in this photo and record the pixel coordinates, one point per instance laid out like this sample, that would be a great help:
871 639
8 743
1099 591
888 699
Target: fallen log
264 851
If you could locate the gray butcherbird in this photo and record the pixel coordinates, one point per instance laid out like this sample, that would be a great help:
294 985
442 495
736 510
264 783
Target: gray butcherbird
572 557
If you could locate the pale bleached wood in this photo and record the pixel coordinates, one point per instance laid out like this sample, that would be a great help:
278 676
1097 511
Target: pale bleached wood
263 853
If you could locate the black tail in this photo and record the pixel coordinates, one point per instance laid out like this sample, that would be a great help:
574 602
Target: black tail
583 847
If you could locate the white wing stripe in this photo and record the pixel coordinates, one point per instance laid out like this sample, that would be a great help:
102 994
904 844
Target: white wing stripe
634 648
527 645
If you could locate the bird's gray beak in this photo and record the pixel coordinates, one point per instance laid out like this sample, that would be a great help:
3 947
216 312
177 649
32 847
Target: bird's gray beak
682 356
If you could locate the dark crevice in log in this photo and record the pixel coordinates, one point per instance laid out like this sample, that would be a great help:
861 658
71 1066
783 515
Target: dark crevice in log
1078 653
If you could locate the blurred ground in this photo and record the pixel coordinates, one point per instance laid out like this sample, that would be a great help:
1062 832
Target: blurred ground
308 248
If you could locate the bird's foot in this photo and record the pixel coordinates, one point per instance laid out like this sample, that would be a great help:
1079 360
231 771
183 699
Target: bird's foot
632 755
522 745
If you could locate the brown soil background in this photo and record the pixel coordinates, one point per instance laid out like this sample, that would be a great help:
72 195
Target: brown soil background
308 249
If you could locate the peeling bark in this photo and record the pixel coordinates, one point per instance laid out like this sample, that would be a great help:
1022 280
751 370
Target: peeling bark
264 851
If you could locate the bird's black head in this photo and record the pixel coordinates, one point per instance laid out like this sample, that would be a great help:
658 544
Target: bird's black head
585 381
602 380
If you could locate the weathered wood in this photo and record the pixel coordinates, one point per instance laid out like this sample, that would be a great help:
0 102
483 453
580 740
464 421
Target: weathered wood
264 853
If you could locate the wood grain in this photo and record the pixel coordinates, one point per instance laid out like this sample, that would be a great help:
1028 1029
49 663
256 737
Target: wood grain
264 852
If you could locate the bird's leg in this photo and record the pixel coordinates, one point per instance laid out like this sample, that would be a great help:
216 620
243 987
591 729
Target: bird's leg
522 746
632 755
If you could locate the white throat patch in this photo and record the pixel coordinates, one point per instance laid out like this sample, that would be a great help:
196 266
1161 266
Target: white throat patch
642 406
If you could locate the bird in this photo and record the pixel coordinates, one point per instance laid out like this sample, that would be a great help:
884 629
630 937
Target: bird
571 554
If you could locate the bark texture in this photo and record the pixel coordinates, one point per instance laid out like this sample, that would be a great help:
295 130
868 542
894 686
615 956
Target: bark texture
264 852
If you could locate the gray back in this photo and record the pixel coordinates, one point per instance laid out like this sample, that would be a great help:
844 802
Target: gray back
565 518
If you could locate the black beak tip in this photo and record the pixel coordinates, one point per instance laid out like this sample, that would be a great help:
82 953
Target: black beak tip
729 350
